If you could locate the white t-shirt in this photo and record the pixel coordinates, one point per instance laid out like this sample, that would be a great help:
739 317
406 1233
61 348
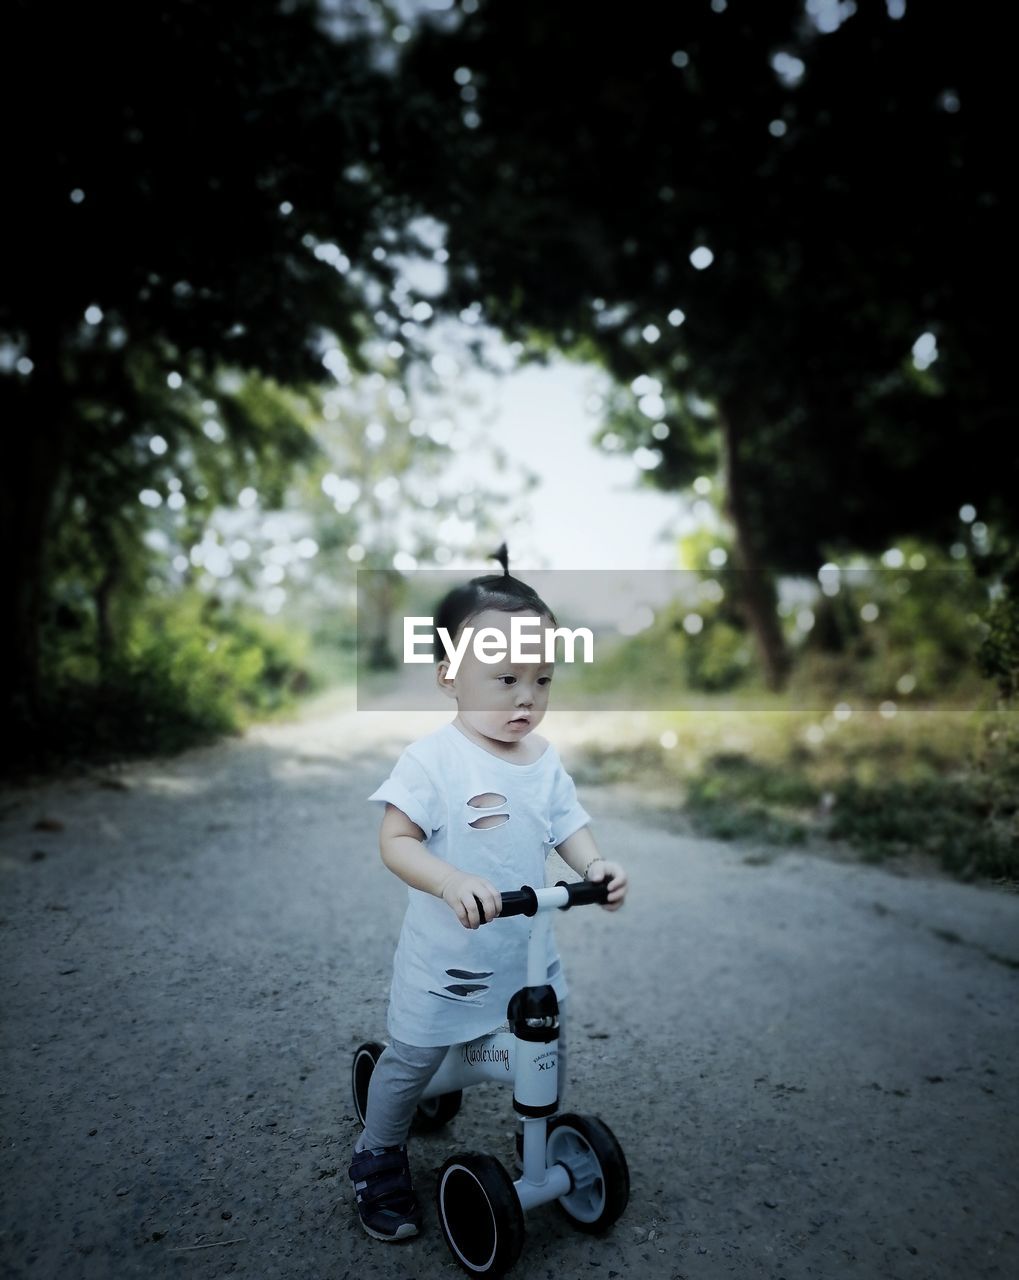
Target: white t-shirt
452 984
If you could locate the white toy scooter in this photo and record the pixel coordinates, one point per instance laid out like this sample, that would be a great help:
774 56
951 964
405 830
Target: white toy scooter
572 1159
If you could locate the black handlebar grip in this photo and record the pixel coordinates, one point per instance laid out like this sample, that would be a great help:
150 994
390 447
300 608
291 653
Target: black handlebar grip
585 892
519 902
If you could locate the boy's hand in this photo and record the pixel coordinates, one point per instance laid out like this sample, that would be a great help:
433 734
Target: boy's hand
616 876
468 896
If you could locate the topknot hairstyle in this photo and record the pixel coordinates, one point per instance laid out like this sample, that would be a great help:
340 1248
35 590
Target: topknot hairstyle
500 591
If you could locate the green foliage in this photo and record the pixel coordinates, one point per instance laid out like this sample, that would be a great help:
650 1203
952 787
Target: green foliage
194 286
934 786
946 818
385 490
108 564
665 662
736 797
906 635
718 658
172 266
821 352
668 660
186 672
900 634
270 657
999 651
826 212
953 797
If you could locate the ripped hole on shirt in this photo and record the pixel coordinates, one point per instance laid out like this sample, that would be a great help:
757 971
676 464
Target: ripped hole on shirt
488 800
489 820
466 988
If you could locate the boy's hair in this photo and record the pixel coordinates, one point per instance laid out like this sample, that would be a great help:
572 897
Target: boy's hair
490 591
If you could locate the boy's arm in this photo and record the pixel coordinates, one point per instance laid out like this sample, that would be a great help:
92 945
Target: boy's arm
403 852
580 853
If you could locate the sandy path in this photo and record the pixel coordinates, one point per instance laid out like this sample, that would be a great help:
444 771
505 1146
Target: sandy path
811 1066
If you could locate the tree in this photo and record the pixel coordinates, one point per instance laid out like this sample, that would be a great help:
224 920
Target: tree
796 235
387 444
196 194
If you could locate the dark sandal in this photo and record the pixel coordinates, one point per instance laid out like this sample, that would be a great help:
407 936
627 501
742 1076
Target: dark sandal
386 1202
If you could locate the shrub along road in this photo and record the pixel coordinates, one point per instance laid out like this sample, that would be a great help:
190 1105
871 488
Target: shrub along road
811 1065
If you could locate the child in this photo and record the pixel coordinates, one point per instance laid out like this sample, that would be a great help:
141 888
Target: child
474 805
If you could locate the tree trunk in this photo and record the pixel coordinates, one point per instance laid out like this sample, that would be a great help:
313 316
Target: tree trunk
34 450
758 593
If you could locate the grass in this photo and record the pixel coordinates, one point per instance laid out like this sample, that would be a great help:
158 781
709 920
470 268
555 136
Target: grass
935 785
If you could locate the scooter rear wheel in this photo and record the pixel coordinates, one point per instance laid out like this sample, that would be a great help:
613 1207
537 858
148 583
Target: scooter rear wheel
598 1170
434 1113
431 1114
479 1213
365 1057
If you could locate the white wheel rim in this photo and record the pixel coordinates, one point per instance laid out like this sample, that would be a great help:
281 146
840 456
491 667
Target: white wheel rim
569 1147
359 1065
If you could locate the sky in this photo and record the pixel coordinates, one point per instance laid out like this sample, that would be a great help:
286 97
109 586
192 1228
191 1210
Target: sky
590 510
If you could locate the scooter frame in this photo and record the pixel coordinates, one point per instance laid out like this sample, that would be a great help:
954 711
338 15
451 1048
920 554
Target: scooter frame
569 1158
531 1066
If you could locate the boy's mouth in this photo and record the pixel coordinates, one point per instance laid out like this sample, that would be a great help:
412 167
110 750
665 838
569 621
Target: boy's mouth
521 720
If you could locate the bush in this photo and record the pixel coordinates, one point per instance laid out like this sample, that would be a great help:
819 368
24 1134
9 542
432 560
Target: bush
940 784
948 819
718 659
664 661
736 797
920 641
187 671
999 651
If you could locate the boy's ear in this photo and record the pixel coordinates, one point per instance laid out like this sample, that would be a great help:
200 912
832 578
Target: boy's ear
442 679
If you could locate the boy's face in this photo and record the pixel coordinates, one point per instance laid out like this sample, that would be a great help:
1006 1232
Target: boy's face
501 700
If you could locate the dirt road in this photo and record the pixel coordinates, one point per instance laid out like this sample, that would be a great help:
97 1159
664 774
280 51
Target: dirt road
811 1066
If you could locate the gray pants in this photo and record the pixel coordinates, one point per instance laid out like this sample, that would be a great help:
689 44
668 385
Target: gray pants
400 1077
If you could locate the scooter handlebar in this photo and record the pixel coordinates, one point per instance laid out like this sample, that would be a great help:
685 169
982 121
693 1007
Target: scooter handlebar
580 893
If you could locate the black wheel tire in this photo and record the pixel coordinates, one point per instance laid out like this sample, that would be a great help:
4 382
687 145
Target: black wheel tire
479 1213
365 1057
435 1113
598 1170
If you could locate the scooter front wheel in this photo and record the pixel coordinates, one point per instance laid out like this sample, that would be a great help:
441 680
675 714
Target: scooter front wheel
599 1175
479 1213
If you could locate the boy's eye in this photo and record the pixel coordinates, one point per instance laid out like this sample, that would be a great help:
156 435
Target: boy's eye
544 679
509 679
